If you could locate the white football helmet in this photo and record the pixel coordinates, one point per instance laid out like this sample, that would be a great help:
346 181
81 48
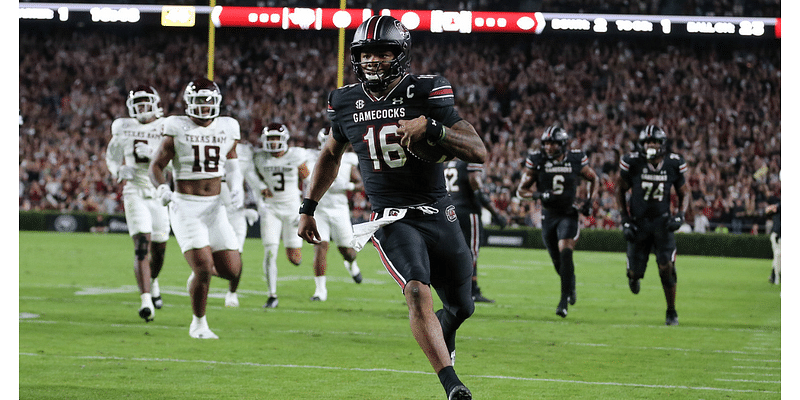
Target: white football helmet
203 99
142 104
275 138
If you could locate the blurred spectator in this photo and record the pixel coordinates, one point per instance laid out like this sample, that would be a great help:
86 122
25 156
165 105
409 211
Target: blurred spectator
701 223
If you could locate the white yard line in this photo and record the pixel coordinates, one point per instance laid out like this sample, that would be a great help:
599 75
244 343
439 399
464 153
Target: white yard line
499 377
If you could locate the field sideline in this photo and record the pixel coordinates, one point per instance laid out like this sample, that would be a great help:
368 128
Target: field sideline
80 336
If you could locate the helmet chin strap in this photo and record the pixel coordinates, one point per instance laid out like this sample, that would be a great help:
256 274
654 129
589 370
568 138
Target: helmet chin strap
651 153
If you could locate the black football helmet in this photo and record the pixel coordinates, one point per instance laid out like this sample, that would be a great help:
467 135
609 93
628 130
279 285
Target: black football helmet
202 98
555 134
652 134
381 30
142 104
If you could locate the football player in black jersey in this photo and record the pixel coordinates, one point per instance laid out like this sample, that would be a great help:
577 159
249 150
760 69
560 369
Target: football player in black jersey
416 229
557 173
465 185
648 224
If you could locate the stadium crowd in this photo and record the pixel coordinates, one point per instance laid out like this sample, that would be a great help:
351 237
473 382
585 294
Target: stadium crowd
719 102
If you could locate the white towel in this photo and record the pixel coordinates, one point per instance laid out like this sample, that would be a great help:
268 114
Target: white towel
363 232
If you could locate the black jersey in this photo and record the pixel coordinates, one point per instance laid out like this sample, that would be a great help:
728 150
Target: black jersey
560 178
456 176
651 186
392 177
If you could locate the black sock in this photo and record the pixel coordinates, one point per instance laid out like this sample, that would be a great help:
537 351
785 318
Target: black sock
567 272
449 334
449 379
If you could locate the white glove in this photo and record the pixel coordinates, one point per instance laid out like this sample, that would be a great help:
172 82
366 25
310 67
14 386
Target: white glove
125 173
237 198
143 150
164 193
251 216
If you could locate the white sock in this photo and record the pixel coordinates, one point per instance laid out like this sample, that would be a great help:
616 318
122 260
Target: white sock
320 282
270 267
352 267
198 322
154 289
147 300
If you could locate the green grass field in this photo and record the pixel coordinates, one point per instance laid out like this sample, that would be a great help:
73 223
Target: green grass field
80 336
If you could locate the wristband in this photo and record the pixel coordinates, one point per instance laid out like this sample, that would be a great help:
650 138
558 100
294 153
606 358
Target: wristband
434 131
308 207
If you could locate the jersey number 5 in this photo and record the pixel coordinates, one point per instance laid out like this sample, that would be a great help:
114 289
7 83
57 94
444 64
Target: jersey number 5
210 159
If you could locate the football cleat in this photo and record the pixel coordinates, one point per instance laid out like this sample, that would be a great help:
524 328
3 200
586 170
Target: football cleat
158 303
561 310
231 300
634 285
573 297
272 302
354 271
202 333
672 317
478 297
460 392
320 296
147 313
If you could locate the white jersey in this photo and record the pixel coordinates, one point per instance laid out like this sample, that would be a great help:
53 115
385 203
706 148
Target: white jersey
126 133
336 196
201 152
281 175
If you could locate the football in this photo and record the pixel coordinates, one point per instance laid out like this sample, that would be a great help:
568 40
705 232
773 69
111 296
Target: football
429 152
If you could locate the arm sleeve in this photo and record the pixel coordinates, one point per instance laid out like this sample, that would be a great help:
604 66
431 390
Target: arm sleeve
233 175
114 156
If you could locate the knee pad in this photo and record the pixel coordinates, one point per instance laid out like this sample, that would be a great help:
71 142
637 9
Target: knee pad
141 248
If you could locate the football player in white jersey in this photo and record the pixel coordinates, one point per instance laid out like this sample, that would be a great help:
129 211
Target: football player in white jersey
202 148
333 218
279 171
128 157
240 217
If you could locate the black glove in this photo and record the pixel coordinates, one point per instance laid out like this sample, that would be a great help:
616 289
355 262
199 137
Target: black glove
629 230
542 195
586 209
674 223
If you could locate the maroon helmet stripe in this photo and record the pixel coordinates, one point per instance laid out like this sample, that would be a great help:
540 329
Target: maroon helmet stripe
372 28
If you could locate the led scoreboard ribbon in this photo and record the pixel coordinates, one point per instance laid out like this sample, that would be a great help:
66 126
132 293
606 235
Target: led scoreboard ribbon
436 21
334 18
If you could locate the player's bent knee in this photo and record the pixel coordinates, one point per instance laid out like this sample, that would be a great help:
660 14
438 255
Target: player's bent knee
142 245
668 275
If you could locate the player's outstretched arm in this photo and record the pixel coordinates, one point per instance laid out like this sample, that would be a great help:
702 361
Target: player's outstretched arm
325 171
